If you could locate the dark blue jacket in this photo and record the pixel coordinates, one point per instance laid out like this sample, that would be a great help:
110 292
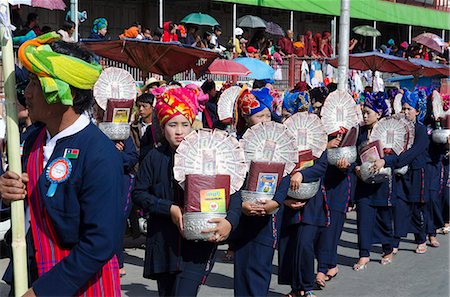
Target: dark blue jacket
315 211
264 230
381 194
340 187
84 211
413 186
155 190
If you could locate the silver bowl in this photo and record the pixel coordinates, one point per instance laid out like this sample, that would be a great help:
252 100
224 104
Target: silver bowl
348 152
401 171
370 177
115 131
195 222
306 191
440 135
255 197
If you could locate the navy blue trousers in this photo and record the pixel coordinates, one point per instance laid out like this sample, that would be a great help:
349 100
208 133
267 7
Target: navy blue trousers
252 268
434 212
327 243
296 256
409 218
374 226
177 284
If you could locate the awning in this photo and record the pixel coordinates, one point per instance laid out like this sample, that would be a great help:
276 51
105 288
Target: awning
375 10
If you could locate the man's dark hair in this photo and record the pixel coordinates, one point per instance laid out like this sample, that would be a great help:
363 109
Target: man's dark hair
259 83
31 17
46 29
67 25
208 85
146 98
217 28
83 98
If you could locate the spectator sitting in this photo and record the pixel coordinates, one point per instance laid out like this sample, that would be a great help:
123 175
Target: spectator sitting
390 44
181 33
147 34
190 36
170 32
199 42
157 34
299 46
99 29
258 40
383 49
236 44
252 52
31 24
66 31
316 44
207 40
134 32
402 50
217 31
325 47
286 45
308 43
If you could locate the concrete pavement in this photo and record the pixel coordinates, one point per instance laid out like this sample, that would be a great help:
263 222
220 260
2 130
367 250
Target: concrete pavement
410 275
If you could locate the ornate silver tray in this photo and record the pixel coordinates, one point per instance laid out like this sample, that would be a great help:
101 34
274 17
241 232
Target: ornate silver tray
195 222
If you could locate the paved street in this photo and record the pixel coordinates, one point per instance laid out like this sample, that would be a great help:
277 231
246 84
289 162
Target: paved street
410 275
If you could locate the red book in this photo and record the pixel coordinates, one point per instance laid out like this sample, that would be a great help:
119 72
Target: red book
206 193
305 160
119 110
264 176
371 152
350 137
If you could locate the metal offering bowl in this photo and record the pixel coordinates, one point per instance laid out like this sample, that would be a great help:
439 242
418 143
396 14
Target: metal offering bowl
440 135
348 152
115 131
195 222
255 197
401 171
306 191
370 177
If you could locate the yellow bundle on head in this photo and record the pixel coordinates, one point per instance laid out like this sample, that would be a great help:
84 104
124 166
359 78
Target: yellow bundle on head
57 72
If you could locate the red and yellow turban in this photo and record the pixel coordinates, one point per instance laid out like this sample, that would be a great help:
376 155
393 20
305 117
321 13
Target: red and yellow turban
187 101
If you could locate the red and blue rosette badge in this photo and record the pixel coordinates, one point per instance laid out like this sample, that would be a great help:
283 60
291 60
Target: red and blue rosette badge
57 172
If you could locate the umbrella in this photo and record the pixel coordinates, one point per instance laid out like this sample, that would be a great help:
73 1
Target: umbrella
377 61
366 31
47 4
251 21
259 69
154 57
200 19
429 68
274 29
227 67
430 40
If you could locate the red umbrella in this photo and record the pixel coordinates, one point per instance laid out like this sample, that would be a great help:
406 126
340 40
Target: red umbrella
154 57
227 67
430 40
376 61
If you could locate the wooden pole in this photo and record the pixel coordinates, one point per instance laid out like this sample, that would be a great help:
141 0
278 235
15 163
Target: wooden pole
12 135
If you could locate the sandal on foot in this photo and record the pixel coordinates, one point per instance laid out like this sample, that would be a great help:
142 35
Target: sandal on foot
359 267
385 260
331 276
434 243
421 248
309 294
395 251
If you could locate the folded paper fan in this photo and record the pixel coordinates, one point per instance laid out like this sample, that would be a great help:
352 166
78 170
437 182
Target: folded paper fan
209 152
114 83
410 128
398 103
308 132
227 103
339 112
438 106
392 134
270 142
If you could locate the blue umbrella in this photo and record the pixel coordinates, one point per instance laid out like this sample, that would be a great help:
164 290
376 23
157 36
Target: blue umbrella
259 69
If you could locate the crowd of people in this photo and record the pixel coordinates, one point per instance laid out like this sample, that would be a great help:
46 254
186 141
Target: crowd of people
83 190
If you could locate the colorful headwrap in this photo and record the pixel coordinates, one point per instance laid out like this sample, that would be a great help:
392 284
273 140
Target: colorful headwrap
297 101
178 101
255 101
57 72
417 100
100 23
376 102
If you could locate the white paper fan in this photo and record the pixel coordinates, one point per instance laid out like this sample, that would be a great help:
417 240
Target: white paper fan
211 152
227 102
114 83
308 132
410 128
398 103
270 142
438 108
392 134
338 112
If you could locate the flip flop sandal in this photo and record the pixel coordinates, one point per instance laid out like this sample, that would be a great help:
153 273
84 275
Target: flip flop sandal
309 294
321 283
330 277
359 267
386 261
421 248
435 243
